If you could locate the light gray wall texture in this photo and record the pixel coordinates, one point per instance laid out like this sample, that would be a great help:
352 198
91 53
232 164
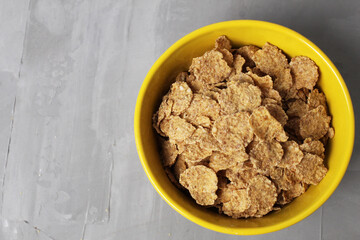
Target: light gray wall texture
70 72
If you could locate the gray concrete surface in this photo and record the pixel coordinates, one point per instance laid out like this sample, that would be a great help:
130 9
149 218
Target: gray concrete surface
70 72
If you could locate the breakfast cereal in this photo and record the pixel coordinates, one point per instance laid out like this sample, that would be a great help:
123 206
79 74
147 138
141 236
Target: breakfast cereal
233 131
314 124
201 183
277 112
244 130
248 52
316 99
176 128
239 96
305 72
311 169
221 161
181 95
292 154
202 110
297 108
234 201
265 126
266 154
210 68
169 153
314 147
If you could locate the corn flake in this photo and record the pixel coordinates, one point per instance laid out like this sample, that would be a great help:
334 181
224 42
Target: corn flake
181 77
205 139
283 84
227 56
271 60
163 113
283 178
263 195
239 78
240 177
196 85
302 94
263 82
267 101
331 133
239 61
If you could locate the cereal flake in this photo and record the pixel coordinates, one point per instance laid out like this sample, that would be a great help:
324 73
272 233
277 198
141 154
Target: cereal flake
210 68
265 126
195 153
292 154
305 72
287 196
181 95
201 183
222 42
239 96
202 106
314 124
283 178
169 153
311 169
234 201
176 128
316 99
267 154
233 131
314 147
297 108
221 161
277 112
248 52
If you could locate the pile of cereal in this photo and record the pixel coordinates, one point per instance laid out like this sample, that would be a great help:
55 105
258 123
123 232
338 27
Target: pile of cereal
244 130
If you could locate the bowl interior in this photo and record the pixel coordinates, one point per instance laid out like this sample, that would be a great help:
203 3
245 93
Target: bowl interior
178 58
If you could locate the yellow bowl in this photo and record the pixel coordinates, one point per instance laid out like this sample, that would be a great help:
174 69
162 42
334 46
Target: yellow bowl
242 32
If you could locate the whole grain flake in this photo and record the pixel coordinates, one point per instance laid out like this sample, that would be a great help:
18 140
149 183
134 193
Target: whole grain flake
243 130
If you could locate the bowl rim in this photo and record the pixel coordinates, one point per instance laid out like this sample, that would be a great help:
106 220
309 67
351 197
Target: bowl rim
179 208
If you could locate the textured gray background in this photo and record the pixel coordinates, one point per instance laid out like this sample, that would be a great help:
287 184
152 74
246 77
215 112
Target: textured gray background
70 72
